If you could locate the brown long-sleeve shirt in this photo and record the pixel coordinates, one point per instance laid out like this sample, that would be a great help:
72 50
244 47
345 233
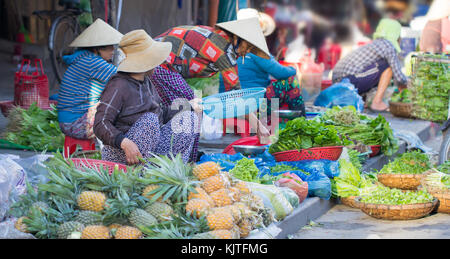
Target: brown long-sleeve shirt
123 101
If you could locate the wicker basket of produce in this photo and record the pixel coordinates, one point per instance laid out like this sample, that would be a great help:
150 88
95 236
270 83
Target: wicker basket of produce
397 212
350 201
431 182
400 181
400 109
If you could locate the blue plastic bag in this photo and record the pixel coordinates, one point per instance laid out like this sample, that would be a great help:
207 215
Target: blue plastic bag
328 167
227 162
341 94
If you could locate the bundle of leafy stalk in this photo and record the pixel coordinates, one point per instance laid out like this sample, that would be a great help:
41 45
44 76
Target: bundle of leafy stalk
402 97
431 87
35 127
283 168
413 162
445 167
362 129
246 170
301 133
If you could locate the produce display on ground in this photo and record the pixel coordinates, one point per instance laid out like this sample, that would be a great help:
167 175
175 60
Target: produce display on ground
445 167
430 87
359 128
388 196
413 162
35 127
301 133
437 180
404 96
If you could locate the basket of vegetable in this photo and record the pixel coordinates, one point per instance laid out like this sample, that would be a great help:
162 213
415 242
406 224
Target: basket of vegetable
400 104
329 153
395 204
405 172
307 139
350 201
438 185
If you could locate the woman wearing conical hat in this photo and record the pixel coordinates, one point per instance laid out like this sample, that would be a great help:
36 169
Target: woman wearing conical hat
131 120
202 51
89 70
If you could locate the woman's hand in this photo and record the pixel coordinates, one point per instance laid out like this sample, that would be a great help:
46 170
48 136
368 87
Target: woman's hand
131 151
196 105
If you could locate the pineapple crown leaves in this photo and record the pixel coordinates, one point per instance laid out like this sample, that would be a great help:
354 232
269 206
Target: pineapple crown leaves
172 174
40 224
21 207
123 205
163 232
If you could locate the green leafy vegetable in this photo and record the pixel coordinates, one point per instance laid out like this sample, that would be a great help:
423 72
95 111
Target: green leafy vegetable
246 170
384 195
402 97
301 133
36 128
413 162
283 168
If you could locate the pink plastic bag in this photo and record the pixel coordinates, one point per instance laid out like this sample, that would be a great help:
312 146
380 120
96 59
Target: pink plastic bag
296 184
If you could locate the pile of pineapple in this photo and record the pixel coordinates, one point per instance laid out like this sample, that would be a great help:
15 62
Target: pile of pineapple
164 198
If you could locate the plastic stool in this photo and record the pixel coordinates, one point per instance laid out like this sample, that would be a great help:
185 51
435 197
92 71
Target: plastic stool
70 145
240 124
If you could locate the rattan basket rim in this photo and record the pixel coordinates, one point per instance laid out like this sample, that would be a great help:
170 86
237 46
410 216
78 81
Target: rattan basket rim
402 206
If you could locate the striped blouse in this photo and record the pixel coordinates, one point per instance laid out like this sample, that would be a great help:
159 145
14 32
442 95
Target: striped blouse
82 85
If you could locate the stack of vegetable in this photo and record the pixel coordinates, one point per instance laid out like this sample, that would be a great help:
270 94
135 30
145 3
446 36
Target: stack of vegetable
301 133
350 182
388 196
361 129
35 127
431 87
413 162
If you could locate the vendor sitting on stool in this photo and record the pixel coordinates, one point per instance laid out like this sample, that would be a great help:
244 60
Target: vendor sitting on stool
131 120
83 82
373 65
255 71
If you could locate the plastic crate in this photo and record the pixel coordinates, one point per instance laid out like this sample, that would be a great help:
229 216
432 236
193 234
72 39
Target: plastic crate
233 104
328 153
97 164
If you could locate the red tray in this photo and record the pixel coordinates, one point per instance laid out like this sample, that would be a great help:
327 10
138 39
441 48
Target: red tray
329 153
375 150
97 164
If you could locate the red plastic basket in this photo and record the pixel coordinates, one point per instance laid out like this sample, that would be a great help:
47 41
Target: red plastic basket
97 164
329 153
375 150
31 87
6 106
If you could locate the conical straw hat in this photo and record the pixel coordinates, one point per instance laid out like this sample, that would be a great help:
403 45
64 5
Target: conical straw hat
267 23
97 34
142 52
438 10
249 30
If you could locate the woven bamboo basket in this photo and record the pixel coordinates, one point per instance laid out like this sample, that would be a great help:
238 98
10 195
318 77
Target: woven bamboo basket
397 212
401 109
442 195
401 181
350 201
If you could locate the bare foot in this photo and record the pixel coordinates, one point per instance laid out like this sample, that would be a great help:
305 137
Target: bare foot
379 106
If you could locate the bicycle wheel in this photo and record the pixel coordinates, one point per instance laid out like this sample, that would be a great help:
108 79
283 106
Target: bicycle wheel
63 31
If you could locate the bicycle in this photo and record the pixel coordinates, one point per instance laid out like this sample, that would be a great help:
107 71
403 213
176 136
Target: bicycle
64 29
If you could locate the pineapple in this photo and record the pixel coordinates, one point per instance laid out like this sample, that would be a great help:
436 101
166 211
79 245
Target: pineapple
140 217
233 210
197 207
20 225
150 188
202 195
222 197
235 193
89 218
206 170
127 232
114 226
174 174
96 232
67 228
220 220
214 183
245 227
244 210
40 205
92 201
215 234
161 211
242 186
